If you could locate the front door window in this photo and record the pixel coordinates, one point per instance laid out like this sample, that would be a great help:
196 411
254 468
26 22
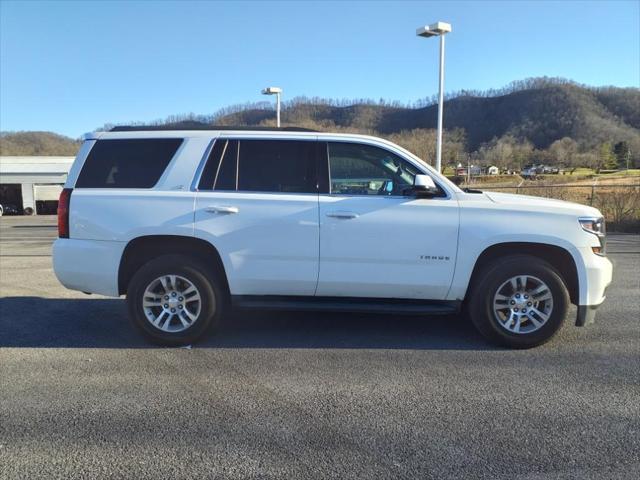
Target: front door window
359 169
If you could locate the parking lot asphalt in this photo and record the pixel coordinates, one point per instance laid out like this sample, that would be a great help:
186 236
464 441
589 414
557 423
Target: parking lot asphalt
300 395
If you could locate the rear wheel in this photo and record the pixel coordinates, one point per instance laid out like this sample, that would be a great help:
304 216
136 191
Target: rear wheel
520 302
175 300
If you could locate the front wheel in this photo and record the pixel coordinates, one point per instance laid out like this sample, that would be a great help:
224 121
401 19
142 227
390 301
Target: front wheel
519 302
175 300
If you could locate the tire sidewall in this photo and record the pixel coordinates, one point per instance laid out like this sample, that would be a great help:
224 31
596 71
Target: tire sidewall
210 293
483 315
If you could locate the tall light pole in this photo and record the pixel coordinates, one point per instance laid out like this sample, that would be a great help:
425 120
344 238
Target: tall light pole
438 29
277 91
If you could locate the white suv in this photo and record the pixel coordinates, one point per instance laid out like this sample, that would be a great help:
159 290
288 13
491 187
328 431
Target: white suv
190 223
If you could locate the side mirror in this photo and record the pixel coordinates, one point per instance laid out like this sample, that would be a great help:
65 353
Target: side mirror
423 186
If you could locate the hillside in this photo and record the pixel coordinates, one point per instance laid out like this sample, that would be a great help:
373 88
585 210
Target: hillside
37 143
542 112
534 120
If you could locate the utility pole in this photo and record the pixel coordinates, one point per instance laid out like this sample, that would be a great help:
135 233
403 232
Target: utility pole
628 159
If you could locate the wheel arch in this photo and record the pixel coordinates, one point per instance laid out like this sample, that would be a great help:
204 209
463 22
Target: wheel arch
559 258
141 250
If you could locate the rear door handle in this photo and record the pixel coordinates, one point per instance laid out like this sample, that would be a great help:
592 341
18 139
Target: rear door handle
342 215
221 209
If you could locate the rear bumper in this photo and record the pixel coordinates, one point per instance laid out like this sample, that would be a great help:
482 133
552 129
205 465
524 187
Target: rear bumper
88 265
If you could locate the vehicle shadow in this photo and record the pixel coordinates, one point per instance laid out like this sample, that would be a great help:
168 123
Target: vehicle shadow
36 322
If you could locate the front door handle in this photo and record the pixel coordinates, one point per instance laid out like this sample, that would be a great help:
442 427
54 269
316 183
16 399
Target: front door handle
342 215
221 209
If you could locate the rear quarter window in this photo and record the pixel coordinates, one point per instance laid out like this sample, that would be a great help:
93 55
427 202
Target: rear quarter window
127 163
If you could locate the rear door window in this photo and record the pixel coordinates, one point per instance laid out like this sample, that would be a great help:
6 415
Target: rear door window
287 166
220 172
127 163
270 166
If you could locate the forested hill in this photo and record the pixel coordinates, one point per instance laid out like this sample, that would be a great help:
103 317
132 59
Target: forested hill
533 114
540 115
37 143
543 113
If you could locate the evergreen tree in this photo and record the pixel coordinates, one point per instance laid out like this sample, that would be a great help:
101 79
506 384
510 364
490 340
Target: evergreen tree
607 158
622 151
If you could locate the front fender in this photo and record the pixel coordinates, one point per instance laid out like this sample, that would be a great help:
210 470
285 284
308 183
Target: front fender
470 252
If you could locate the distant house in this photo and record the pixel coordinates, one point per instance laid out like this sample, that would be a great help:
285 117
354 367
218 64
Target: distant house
473 170
529 171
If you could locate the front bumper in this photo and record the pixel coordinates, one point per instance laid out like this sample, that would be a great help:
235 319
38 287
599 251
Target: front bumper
586 315
598 276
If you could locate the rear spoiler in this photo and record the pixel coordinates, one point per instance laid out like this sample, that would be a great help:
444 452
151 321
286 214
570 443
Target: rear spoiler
91 136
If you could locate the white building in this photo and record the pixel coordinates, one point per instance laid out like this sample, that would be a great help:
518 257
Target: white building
33 184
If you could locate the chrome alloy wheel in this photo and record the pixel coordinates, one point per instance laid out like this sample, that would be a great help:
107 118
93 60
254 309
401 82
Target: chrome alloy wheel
523 304
171 303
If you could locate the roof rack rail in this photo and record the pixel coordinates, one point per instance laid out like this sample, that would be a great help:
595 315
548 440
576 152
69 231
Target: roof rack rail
152 128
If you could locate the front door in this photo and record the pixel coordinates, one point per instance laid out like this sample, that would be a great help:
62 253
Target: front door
257 203
374 240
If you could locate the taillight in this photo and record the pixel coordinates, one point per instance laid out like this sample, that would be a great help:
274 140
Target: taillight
63 212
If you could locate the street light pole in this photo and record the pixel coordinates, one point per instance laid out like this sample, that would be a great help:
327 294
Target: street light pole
438 29
277 91
440 107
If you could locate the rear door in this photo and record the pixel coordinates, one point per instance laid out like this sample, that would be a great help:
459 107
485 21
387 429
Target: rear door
257 202
374 240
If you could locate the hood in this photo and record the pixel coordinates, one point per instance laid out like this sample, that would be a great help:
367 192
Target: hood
528 202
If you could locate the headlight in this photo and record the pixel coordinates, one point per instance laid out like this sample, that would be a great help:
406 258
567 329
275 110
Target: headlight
596 226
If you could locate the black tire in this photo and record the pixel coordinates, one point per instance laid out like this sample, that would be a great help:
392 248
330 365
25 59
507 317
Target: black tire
208 284
486 285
